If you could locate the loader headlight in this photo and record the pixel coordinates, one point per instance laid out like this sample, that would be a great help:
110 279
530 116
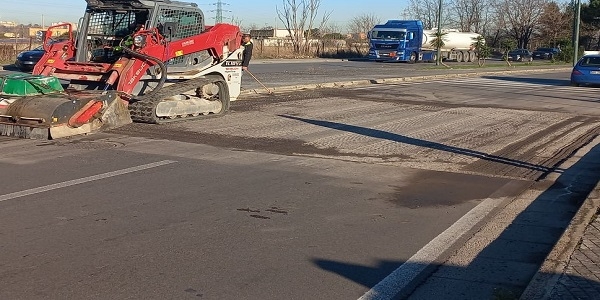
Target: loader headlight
139 41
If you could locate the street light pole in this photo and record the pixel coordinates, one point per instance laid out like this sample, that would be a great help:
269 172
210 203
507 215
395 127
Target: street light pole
576 22
439 34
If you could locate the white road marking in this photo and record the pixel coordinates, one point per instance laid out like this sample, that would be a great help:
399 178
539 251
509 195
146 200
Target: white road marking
407 272
83 180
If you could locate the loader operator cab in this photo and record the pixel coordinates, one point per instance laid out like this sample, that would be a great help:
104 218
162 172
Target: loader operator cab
107 24
127 41
110 30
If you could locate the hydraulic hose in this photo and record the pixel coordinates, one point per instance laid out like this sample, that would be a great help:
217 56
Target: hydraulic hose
161 65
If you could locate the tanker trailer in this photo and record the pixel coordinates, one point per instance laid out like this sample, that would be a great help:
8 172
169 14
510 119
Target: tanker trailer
408 41
458 46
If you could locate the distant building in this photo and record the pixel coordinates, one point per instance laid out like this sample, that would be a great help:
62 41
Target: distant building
56 31
269 33
271 37
8 24
357 36
73 25
281 37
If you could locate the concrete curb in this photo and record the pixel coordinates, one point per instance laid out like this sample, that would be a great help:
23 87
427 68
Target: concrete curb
544 281
363 82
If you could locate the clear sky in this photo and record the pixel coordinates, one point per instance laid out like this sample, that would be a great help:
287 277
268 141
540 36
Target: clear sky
259 12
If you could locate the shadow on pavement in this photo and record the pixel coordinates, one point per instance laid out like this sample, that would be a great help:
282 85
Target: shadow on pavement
367 276
370 276
516 255
532 80
10 67
423 143
365 59
504 268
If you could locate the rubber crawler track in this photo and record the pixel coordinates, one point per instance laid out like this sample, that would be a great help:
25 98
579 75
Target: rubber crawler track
143 108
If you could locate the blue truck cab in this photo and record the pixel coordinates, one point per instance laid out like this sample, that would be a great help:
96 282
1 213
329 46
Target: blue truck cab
397 40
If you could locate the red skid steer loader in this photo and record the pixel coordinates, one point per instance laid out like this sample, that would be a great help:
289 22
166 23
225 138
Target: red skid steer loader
152 61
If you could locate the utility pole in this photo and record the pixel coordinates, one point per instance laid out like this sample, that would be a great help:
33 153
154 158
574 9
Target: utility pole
439 34
219 11
576 22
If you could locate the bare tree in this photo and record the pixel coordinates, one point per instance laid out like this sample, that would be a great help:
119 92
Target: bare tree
521 18
554 23
313 8
298 16
293 15
248 28
469 14
363 23
427 12
465 15
330 28
488 23
590 24
237 21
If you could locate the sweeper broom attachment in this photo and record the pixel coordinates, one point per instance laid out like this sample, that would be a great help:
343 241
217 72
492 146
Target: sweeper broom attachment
37 107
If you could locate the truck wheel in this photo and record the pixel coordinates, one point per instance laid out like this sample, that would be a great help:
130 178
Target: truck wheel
413 58
472 56
433 58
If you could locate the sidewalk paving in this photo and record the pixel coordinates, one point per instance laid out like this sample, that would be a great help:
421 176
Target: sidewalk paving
581 278
572 269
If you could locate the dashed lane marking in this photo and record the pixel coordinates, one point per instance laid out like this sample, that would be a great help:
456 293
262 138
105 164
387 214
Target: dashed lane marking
64 184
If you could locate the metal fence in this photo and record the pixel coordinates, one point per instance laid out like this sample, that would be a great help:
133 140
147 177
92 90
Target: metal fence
9 49
326 49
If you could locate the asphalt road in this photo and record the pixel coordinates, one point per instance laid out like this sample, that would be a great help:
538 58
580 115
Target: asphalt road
285 72
278 73
318 194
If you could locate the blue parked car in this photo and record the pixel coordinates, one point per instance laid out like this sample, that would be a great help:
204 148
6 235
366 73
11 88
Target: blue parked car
26 60
586 71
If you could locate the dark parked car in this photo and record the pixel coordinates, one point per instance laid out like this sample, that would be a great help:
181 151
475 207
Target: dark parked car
520 55
545 53
586 71
26 60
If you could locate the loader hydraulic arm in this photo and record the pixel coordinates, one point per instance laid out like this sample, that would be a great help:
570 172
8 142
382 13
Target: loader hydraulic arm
217 40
